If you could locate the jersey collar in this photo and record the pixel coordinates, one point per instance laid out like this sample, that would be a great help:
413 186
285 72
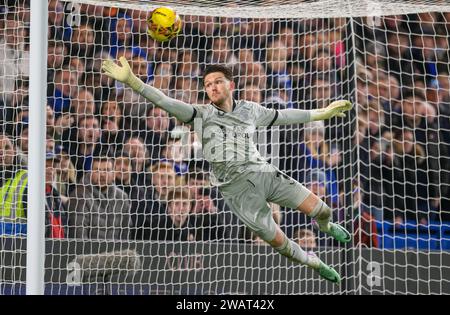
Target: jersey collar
218 108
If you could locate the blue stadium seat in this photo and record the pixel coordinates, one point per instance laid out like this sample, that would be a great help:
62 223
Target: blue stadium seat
434 236
445 239
8 228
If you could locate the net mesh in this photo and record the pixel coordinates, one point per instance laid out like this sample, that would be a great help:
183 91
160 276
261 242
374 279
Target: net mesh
129 207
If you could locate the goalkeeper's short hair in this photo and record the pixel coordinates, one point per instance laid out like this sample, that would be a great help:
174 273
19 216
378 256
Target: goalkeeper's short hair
227 72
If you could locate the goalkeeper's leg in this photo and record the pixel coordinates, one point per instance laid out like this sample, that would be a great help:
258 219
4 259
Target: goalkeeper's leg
288 192
314 207
294 252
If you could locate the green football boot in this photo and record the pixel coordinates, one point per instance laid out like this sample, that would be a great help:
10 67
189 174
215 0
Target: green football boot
336 231
329 273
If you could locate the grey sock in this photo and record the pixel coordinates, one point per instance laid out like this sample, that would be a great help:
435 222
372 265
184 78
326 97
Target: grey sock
293 251
322 214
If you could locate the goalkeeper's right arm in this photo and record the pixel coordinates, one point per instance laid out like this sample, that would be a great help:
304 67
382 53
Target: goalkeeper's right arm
180 110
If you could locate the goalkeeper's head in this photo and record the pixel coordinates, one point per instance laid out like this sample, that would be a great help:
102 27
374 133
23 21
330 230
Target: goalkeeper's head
219 84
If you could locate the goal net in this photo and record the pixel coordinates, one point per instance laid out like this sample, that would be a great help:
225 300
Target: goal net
129 204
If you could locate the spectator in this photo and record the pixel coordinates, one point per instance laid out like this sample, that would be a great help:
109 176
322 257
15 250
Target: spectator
250 70
209 213
414 114
365 231
253 73
306 239
321 93
399 62
78 68
82 104
154 130
56 53
187 65
413 181
322 65
50 145
56 20
389 89
14 58
285 33
251 92
375 56
112 124
142 204
423 55
13 181
66 176
207 199
61 91
82 143
82 41
314 153
373 175
56 221
175 152
174 225
63 123
121 36
100 84
438 96
162 76
364 79
22 143
186 90
277 70
135 105
163 179
256 35
230 26
98 210
296 70
50 121
140 21
15 111
221 53
197 34
14 205
134 147
307 45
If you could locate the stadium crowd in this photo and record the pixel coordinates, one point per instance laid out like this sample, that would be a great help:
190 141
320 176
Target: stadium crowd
119 168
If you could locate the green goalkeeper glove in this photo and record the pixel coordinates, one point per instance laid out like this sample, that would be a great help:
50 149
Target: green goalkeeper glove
336 108
122 74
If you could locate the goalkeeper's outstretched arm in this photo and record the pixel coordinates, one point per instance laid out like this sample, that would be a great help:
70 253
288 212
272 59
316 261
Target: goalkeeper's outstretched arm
180 110
298 116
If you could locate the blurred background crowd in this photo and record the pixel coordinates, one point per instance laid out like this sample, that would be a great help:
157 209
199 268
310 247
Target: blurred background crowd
119 168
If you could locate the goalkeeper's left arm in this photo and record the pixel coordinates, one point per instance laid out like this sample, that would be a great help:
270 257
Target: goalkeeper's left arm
298 116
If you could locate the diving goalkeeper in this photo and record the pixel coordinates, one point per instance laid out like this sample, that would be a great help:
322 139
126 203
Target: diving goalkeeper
246 180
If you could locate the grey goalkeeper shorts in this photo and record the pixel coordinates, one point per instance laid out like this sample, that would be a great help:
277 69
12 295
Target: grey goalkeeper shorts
249 194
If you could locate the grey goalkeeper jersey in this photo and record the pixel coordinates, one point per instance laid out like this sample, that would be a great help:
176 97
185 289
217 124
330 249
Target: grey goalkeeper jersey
227 138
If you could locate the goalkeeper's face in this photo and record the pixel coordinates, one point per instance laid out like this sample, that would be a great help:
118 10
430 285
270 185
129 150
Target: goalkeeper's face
218 88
